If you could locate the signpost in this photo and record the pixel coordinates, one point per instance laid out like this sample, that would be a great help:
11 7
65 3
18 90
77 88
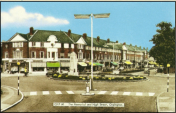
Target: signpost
168 65
18 63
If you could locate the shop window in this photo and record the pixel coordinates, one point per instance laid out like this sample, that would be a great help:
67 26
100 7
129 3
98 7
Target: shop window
38 68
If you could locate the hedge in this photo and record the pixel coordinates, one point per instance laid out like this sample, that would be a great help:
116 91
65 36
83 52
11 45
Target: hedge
64 76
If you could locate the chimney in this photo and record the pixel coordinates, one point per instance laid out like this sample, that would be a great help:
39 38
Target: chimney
108 40
98 38
69 32
31 30
84 36
124 43
116 41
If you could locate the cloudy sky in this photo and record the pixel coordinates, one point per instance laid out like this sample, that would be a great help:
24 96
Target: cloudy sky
130 22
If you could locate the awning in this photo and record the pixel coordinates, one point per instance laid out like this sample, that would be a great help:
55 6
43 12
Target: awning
56 64
82 64
114 63
91 63
128 62
38 64
98 64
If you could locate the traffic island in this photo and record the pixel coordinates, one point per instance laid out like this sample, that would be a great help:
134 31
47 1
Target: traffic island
98 78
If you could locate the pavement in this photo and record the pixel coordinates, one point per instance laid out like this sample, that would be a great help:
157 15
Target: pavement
10 97
165 100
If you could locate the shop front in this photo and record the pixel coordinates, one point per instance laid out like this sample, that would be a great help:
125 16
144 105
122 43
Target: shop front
53 66
38 67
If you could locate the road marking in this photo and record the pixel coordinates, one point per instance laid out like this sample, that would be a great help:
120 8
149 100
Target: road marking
70 92
45 92
102 92
151 94
58 92
139 93
126 93
33 93
114 93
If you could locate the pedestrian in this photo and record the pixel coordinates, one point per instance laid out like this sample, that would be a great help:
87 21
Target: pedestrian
25 72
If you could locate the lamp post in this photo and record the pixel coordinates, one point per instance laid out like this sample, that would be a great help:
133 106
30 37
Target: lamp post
87 16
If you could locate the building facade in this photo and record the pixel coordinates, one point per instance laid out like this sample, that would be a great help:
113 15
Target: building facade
41 50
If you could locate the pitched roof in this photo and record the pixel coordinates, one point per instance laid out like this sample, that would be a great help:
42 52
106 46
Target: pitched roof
42 36
62 37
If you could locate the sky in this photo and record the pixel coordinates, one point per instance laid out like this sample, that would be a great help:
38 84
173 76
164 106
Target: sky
130 22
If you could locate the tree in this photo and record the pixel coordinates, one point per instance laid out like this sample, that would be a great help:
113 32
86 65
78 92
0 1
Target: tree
164 49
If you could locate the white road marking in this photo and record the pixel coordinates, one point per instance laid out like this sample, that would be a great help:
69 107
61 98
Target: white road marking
139 93
151 94
58 92
33 93
45 92
70 92
126 93
114 93
102 92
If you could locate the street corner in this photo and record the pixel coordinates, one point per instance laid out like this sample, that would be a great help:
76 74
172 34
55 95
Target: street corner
10 97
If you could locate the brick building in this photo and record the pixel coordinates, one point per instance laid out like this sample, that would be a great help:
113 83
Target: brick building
43 50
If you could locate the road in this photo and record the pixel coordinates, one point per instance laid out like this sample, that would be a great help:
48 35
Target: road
42 102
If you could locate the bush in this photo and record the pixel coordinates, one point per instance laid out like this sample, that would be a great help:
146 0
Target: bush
54 75
109 78
131 78
59 76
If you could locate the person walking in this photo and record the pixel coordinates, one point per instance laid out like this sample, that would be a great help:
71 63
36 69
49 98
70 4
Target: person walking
25 72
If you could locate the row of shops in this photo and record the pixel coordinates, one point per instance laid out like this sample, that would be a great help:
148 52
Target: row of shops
43 66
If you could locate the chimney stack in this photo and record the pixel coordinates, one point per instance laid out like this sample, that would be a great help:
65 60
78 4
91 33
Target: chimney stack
31 30
108 40
98 38
116 41
84 36
124 43
69 32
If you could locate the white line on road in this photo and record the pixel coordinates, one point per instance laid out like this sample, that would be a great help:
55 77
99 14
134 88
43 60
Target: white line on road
126 93
102 92
114 93
33 93
58 92
70 92
151 94
45 92
139 93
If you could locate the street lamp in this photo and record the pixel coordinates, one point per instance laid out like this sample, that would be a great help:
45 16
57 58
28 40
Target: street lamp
87 16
